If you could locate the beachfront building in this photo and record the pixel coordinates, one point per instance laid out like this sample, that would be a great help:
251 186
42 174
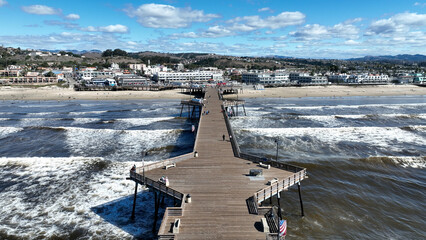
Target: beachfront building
32 80
153 70
369 79
130 80
419 79
137 66
265 78
193 76
404 78
305 79
89 74
338 78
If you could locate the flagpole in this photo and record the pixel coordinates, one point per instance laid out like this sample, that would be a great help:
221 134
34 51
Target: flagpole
279 213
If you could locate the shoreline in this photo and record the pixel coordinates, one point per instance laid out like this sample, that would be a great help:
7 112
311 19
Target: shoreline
63 94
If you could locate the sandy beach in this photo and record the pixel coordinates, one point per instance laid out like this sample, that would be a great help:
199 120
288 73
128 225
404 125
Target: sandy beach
55 93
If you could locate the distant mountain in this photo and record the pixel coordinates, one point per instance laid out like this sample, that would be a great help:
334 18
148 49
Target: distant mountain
279 57
397 58
73 51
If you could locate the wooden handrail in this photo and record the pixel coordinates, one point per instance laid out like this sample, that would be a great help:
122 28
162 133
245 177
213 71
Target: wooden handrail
156 185
279 186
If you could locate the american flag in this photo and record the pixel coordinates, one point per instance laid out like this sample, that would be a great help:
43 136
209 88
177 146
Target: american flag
283 227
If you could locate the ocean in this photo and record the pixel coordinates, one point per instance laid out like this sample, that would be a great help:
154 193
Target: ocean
64 164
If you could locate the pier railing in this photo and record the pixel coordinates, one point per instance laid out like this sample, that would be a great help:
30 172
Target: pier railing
164 163
169 216
156 185
234 143
279 186
273 163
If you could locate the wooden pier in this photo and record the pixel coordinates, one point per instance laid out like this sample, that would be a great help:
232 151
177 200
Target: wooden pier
215 196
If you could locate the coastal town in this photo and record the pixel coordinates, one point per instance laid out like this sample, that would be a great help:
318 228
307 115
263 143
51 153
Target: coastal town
130 73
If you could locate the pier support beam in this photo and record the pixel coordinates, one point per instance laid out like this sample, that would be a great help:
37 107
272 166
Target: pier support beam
134 201
157 206
300 198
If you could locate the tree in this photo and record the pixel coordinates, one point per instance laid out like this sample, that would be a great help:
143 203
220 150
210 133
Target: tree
107 53
119 52
50 74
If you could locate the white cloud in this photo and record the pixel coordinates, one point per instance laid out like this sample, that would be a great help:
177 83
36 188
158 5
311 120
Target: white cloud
244 24
397 24
284 19
2 3
41 10
211 32
265 9
351 42
166 16
317 32
117 28
419 4
72 16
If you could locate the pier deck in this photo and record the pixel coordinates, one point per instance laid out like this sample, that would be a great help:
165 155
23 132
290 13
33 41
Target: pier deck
218 183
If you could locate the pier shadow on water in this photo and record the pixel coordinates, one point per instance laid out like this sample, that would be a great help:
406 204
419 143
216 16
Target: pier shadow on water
118 213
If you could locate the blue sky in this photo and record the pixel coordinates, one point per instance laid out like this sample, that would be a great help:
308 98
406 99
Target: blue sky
298 28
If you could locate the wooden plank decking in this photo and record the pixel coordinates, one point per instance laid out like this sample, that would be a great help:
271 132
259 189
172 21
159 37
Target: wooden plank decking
218 183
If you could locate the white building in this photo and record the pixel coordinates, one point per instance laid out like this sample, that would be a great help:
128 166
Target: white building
114 66
88 75
304 78
196 76
137 66
369 79
338 78
265 78
153 70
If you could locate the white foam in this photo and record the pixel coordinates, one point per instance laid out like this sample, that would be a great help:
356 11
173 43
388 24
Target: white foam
326 120
5 131
80 140
62 194
41 106
412 162
142 121
390 106
84 120
89 112
40 113
384 137
403 161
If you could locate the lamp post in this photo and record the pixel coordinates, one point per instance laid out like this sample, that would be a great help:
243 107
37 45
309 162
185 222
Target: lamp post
276 156
143 165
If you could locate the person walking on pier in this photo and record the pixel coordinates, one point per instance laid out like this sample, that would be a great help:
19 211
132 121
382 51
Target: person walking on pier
223 137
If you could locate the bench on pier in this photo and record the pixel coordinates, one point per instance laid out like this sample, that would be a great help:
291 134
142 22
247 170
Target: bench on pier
265 225
267 166
176 226
170 165
275 180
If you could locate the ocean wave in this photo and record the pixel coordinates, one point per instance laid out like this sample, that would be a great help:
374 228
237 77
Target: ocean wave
403 161
78 121
88 112
6 131
142 121
119 143
54 197
390 106
384 137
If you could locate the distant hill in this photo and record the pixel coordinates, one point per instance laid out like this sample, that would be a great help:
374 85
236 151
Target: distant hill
397 58
73 51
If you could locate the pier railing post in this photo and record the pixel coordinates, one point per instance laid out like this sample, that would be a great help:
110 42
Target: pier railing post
300 198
